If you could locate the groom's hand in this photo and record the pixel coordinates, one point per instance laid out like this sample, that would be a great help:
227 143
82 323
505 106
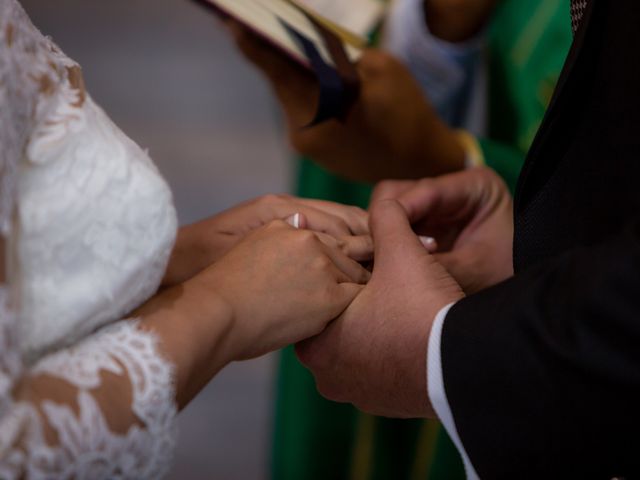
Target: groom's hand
470 214
375 354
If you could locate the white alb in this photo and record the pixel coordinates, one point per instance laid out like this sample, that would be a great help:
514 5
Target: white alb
89 226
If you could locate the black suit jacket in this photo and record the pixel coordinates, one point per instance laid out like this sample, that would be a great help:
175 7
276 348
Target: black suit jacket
542 373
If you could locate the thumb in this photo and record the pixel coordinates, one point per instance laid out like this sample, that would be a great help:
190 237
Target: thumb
392 234
391 190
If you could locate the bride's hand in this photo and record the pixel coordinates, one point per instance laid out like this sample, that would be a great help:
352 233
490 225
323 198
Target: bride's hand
281 285
203 243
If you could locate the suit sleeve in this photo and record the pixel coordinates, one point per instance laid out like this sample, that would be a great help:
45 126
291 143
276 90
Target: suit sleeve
542 372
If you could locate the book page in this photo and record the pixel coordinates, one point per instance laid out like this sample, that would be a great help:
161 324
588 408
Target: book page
266 17
356 16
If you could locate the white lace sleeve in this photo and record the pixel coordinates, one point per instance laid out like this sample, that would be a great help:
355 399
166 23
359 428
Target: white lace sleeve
104 408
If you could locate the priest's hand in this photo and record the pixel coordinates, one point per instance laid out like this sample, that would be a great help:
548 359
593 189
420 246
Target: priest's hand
391 132
458 20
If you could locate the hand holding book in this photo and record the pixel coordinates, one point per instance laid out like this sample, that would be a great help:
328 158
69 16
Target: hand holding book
391 131
294 29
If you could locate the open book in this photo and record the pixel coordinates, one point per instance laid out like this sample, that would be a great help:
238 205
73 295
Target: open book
275 20
314 40
356 17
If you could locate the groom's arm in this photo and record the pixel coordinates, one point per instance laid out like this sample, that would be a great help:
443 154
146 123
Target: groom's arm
542 373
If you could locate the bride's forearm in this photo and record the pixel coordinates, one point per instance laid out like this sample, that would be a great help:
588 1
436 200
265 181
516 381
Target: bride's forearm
194 329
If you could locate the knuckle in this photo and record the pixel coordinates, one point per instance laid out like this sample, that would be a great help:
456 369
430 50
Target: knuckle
365 277
484 172
306 143
277 224
357 217
330 390
375 61
386 189
383 186
310 355
357 211
268 199
323 264
384 205
425 183
385 60
386 184
342 224
306 238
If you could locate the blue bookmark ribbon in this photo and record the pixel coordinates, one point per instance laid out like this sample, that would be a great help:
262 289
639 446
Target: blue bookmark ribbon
339 85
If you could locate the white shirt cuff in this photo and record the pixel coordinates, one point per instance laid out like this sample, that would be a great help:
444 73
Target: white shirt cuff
437 394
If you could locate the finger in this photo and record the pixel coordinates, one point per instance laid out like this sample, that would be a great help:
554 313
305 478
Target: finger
419 200
391 189
285 208
429 243
393 237
356 218
323 222
453 196
375 62
355 273
358 248
342 296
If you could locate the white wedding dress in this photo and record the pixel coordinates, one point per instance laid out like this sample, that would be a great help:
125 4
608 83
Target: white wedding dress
89 226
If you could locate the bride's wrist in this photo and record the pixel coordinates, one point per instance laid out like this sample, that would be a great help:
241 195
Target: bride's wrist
194 326
192 252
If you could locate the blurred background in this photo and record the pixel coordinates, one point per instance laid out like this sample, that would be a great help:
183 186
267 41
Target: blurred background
168 75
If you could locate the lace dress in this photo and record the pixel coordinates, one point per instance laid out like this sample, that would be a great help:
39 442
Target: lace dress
88 225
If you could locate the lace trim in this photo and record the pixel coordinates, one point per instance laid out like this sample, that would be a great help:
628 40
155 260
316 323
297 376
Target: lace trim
87 448
10 361
34 76
121 349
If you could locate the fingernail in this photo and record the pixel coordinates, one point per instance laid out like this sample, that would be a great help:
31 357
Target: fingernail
428 242
294 220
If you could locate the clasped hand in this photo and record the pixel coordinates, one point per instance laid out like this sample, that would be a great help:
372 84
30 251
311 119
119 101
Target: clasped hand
375 354
278 269
269 284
